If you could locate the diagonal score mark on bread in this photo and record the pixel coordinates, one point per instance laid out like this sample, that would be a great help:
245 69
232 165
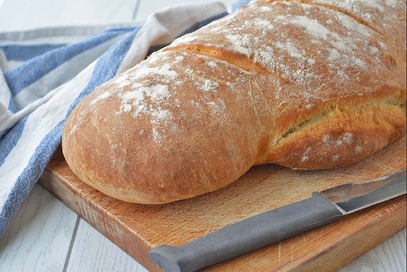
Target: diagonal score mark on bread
324 4
240 61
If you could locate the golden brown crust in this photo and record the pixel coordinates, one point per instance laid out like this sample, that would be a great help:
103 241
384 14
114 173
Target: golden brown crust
308 84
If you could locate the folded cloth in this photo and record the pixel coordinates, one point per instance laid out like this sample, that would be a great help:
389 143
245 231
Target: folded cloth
46 72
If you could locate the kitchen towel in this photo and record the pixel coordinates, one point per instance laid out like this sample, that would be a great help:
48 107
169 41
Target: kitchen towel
46 72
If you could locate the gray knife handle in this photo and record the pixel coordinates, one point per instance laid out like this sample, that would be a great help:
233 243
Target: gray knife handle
247 235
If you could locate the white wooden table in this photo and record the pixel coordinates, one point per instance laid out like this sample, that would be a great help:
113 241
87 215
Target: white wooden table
46 235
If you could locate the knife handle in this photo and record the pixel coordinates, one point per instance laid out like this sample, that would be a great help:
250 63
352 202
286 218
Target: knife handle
247 235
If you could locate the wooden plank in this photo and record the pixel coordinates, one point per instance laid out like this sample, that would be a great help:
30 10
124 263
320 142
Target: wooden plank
91 251
138 228
39 236
388 256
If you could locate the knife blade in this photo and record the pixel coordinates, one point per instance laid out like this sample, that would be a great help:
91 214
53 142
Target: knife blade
320 209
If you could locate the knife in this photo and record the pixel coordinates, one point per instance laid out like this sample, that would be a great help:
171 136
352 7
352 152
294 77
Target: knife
322 208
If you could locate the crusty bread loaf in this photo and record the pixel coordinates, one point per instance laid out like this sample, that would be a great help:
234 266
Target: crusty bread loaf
305 84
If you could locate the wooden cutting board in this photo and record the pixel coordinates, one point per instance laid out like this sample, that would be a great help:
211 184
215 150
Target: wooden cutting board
138 228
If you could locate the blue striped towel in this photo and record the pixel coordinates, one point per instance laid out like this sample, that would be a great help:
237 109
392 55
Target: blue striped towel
46 72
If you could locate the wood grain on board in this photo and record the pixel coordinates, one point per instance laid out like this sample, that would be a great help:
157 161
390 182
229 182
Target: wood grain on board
138 228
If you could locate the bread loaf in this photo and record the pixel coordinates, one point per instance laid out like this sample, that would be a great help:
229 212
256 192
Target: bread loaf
304 84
